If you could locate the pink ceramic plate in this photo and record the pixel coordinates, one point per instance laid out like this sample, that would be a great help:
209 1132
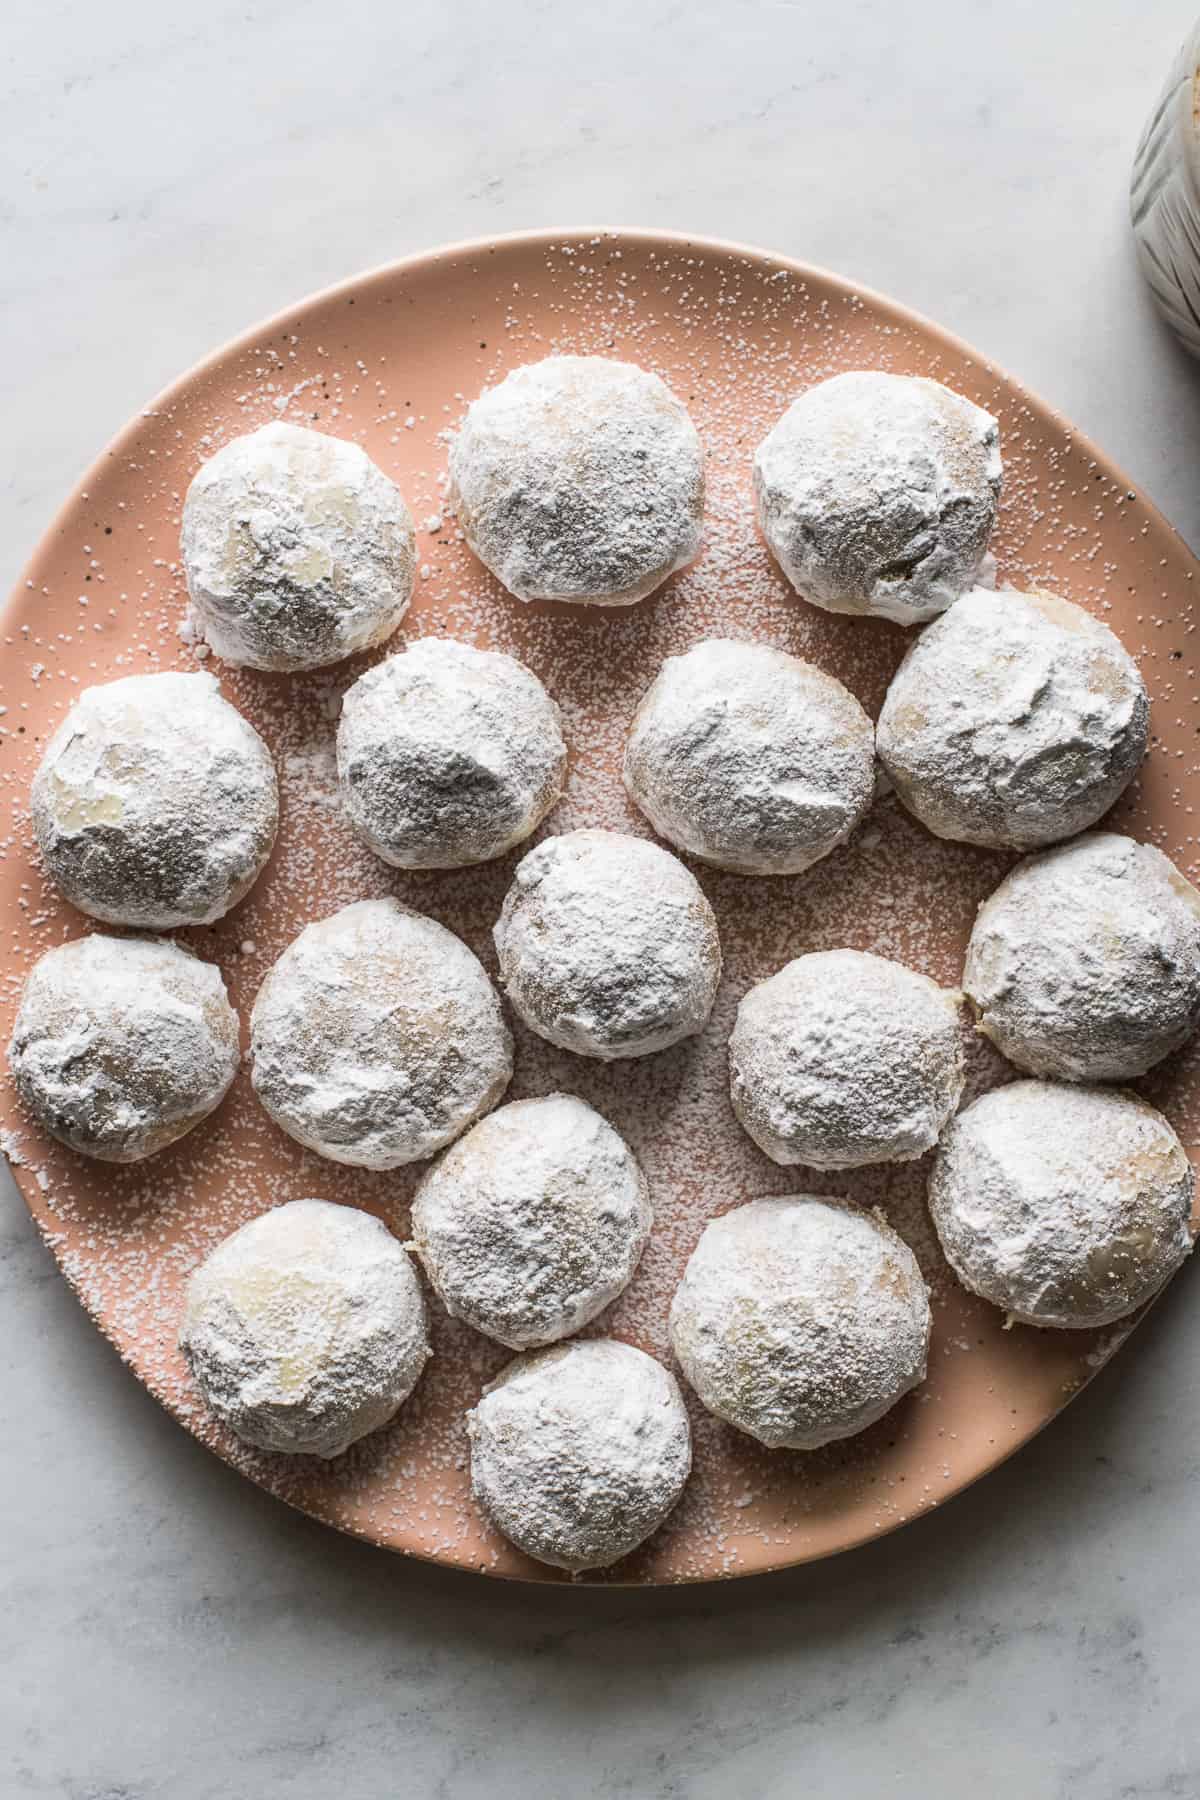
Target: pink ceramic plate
391 359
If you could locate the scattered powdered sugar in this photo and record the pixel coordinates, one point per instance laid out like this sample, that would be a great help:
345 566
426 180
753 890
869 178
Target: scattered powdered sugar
156 802
579 478
800 1320
298 550
305 1329
11 1147
1014 720
376 1038
844 1059
878 494
1065 1206
578 1453
534 1222
750 759
121 1045
448 755
1085 962
607 945
312 779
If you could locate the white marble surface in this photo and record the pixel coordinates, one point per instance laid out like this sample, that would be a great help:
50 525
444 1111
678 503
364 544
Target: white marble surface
174 173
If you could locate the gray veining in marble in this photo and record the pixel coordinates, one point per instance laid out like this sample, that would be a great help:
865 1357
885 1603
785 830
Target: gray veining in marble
175 172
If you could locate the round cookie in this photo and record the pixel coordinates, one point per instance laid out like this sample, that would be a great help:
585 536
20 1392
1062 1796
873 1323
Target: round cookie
533 1222
579 1452
121 1045
305 1329
844 1059
1085 962
579 478
1013 721
298 550
800 1320
156 802
878 493
448 755
377 1037
750 759
1066 1206
607 945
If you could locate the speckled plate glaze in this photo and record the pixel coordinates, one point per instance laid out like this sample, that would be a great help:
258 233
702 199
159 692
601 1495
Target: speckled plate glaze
390 359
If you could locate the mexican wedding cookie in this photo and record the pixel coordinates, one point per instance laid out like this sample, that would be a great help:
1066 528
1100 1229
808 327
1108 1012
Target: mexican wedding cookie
1013 721
608 946
377 1038
750 759
121 1045
156 802
878 494
800 1320
843 1059
305 1330
579 478
1066 1206
578 1453
533 1222
448 755
298 551
1085 962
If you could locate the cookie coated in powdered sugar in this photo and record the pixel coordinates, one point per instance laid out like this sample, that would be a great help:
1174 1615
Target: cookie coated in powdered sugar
1013 721
800 1320
156 803
1084 964
579 478
533 1222
377 1038
305 1329
607 945
878 494
579 1452
844 1059
122 1045
448 755
1066 1206
750 759
298 550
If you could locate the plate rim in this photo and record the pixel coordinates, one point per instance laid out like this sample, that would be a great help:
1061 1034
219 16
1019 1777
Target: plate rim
547 237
